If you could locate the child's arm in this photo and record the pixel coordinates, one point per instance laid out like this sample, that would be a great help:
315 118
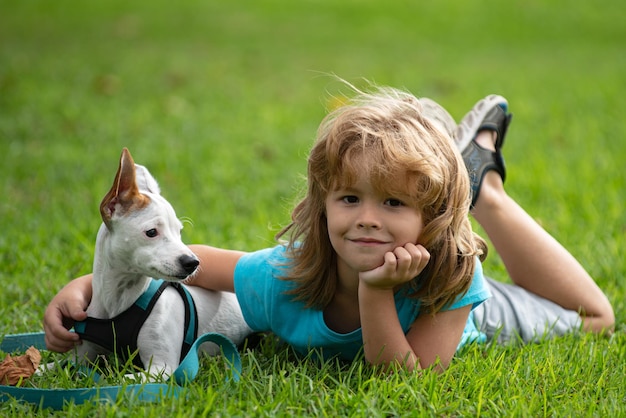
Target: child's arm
436 337
431 337
217 268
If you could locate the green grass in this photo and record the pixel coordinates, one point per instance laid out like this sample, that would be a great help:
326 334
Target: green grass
221 100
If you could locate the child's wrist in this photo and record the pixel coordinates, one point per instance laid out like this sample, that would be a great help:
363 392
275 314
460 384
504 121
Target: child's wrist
374 287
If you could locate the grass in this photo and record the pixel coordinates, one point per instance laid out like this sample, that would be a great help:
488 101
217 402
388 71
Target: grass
221 101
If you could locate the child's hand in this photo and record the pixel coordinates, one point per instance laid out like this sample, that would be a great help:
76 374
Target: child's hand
57 319
67 306
399 266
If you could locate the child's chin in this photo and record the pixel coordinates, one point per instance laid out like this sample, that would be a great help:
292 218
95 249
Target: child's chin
368 267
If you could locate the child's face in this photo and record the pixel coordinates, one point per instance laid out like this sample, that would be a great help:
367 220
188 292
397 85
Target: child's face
364 224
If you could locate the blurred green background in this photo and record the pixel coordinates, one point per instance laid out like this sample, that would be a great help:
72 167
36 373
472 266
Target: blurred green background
221 101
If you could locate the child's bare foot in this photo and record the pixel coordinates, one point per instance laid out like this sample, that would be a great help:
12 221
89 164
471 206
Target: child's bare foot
487 139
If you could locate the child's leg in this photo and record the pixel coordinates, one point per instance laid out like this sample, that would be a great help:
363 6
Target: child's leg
515 314
534 260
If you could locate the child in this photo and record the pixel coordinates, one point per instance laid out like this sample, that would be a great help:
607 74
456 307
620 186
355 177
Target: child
380 254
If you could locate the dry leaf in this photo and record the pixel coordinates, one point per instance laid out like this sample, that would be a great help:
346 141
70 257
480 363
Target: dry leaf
14 369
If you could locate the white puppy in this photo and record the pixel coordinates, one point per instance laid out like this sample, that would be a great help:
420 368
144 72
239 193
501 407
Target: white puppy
140 239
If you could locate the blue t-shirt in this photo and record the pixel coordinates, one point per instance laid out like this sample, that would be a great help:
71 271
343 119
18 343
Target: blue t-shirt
266 307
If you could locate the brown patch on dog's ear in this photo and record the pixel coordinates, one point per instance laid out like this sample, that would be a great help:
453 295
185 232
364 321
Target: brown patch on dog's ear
124 191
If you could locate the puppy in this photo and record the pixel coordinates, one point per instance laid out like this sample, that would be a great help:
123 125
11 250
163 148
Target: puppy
138 242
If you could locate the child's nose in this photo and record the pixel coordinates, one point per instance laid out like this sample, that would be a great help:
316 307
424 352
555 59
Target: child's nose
368 217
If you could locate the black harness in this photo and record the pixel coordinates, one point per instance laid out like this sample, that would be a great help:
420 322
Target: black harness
120 334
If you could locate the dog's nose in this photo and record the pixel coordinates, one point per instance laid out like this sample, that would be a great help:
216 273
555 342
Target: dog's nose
189 263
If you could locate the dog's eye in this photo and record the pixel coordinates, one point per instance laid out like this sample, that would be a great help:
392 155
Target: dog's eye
151 233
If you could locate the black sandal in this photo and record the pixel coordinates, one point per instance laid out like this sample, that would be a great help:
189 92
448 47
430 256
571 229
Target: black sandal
479 160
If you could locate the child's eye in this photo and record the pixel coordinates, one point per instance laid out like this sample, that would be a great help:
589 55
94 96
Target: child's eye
394 202
350 199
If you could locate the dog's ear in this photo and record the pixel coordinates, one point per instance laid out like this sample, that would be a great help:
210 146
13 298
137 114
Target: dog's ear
145 181
124 195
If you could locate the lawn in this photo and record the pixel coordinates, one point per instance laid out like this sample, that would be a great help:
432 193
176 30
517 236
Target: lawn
221 101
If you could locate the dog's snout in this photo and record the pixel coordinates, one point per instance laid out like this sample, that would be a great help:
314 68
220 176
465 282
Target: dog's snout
189 263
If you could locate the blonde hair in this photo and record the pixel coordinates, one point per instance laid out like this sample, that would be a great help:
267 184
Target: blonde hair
405 154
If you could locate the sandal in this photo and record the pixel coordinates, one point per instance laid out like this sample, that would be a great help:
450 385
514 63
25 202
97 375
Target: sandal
488 114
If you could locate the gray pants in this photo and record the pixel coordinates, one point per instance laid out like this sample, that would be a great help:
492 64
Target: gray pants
514 314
